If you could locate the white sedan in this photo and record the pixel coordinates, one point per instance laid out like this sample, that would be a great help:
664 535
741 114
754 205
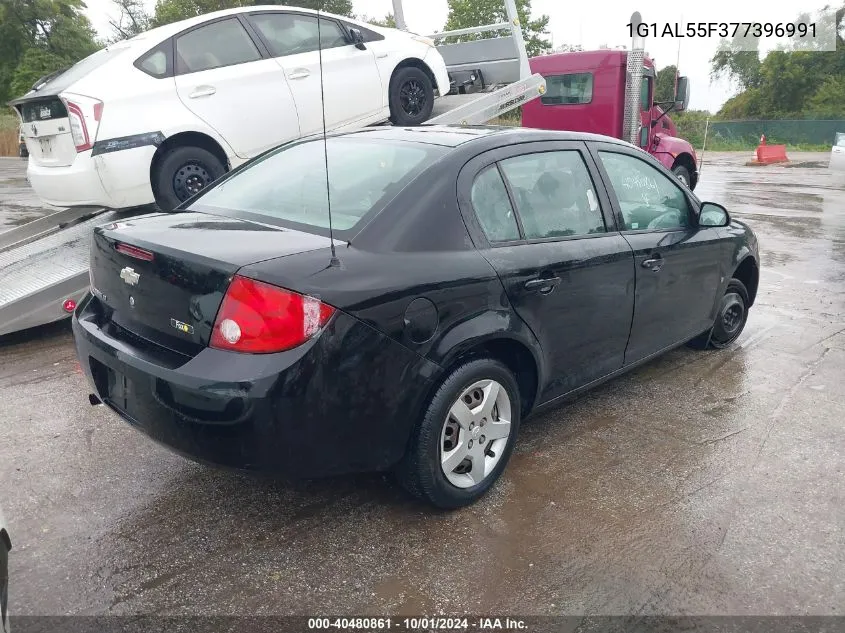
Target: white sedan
160 116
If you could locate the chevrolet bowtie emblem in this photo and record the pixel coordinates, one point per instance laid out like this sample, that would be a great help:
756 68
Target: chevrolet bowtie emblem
130 276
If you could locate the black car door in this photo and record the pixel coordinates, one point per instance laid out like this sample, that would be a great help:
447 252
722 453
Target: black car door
678 264
547 230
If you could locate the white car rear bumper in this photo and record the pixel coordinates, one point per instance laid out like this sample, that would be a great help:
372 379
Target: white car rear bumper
116 180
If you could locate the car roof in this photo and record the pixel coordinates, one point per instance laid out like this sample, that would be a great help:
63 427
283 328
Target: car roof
457 135
161 33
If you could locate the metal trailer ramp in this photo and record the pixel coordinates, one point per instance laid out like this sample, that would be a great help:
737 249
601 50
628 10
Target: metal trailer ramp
41 269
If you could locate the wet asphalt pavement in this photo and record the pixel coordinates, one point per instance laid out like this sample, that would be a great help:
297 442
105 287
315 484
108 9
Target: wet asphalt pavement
18 203
703 483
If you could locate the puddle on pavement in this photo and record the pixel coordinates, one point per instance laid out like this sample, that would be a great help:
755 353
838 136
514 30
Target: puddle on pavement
810 164
775 258
798 201
791 226
18 220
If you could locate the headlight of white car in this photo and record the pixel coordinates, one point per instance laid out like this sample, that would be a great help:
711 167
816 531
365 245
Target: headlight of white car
423 40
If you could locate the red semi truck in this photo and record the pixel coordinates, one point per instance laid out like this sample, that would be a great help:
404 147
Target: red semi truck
588 92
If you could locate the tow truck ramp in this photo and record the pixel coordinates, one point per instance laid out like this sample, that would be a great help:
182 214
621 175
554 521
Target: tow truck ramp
44 267
44 264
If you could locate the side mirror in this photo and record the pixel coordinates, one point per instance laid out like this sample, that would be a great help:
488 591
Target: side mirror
644 136
357 39
713 214
682 94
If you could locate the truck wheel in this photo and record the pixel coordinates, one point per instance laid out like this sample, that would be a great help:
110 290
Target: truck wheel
682 174
465 437
411 97
182 173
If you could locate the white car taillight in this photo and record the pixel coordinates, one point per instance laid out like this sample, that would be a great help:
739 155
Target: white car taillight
84 116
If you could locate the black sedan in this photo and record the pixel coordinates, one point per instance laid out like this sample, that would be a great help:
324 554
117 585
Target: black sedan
475 275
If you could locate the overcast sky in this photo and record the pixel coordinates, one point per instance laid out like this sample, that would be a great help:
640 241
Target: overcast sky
592 24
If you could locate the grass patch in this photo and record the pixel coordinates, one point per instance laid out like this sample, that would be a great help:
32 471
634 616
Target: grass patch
725 145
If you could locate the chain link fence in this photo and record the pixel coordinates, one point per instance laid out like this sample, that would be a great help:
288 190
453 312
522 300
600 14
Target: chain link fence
740 135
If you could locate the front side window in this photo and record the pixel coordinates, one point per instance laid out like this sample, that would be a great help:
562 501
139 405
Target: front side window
288 186
292 33
568 89
493 207
649 200
554 194
222 43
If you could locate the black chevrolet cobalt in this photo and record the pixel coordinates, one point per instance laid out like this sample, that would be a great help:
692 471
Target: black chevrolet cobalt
478 275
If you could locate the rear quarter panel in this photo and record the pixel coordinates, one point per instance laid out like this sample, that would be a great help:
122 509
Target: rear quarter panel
136 103
417 251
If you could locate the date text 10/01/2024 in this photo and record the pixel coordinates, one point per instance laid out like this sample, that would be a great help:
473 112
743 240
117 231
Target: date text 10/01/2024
723 29
417 624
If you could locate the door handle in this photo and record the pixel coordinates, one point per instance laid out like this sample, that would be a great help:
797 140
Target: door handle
299 73
544 284
653 263
202 91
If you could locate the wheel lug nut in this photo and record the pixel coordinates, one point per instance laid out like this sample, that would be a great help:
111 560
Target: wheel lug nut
481 439
470 443
472 425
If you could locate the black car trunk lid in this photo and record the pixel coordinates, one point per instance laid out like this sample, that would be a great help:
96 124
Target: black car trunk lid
162 278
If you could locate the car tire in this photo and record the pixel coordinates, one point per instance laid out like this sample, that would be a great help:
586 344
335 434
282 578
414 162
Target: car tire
682 174
411 97
730 320
182 173
476 444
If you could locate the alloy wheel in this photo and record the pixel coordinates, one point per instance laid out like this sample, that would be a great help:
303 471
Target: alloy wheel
412 97
475 433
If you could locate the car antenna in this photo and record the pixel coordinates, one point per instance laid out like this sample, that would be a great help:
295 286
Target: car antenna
334 260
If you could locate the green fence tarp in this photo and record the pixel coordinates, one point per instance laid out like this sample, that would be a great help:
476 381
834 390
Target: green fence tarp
747 133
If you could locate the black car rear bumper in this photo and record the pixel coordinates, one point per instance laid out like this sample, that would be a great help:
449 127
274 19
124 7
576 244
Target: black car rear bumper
343 402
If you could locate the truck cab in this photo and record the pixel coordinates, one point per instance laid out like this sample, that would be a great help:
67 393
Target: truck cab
586 92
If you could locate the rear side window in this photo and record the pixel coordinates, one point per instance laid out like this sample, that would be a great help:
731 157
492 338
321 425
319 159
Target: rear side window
568 89
288 186
292 33
493 207
157 63
222 43
554 194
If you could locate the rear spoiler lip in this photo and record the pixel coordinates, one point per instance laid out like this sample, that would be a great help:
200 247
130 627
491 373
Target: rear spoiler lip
37 92
33 96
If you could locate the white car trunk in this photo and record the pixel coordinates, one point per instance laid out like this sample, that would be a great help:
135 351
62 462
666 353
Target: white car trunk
46 130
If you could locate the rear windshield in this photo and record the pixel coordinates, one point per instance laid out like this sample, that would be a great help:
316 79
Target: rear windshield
288 185
66 79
